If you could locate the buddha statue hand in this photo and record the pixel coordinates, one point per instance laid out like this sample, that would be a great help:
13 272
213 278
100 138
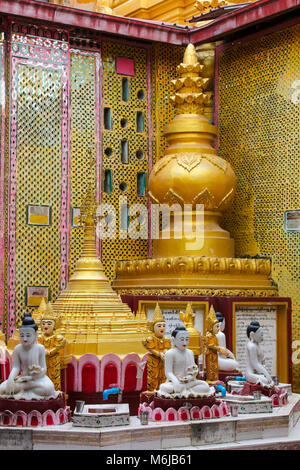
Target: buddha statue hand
23 378
184 380
35 370
177 385
10 387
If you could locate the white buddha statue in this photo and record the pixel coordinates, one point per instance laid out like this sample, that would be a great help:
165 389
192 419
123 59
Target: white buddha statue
181 370
225 363
27 379
256 373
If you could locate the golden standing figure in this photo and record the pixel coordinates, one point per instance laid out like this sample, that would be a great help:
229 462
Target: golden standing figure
212 347
157 344
54 344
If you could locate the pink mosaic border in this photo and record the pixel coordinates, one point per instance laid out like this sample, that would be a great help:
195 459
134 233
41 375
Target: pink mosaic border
27 59
2 181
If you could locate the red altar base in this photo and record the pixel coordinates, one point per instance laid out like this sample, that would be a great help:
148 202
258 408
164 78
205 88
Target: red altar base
279 395
181 409
34 412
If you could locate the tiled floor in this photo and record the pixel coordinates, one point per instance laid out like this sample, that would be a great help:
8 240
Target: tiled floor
279 429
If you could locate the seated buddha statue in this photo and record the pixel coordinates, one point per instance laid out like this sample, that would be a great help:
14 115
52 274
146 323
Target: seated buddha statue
181 371
256 373
27 379
225 363
157 344
54 344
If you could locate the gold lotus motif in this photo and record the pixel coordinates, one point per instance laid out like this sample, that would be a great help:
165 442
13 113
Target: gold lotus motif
189 161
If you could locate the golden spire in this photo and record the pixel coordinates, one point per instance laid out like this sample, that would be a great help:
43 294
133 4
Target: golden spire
42 306
211 319
189 95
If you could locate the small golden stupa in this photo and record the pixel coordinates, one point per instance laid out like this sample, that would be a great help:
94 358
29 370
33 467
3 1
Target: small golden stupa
195 259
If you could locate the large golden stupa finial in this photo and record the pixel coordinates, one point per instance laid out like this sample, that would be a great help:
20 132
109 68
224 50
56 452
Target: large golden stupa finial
191 172
192 182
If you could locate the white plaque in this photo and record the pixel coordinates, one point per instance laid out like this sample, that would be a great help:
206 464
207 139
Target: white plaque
266 316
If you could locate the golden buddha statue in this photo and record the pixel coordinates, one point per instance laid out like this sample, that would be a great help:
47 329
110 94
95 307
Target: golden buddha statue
212 347
54 344
157 344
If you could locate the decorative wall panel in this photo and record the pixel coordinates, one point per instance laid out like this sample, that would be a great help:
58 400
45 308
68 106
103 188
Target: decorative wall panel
37 255
259 121
85 139
125 147
2 178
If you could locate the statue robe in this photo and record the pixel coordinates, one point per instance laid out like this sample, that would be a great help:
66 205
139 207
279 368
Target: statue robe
156 364
54 345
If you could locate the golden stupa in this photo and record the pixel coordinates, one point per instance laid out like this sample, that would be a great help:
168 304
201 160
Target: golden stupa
199 259
93 317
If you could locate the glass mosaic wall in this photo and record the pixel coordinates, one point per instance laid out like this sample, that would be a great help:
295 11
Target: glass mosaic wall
84 92
66 107
38 161
125 149
259 121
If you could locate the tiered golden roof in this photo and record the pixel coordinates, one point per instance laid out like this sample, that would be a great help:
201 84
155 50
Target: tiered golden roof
93 317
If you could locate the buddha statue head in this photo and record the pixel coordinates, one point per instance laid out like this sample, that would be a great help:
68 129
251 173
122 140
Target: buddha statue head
50 320
221 320
158 324
180 337
28 331
255 332
212 322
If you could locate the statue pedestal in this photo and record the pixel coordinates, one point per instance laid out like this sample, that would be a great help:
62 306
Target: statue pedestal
176 403
9 404
181 409
34 412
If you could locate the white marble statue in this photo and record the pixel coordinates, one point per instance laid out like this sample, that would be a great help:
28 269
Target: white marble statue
225 363
256 373
27 379
181 371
